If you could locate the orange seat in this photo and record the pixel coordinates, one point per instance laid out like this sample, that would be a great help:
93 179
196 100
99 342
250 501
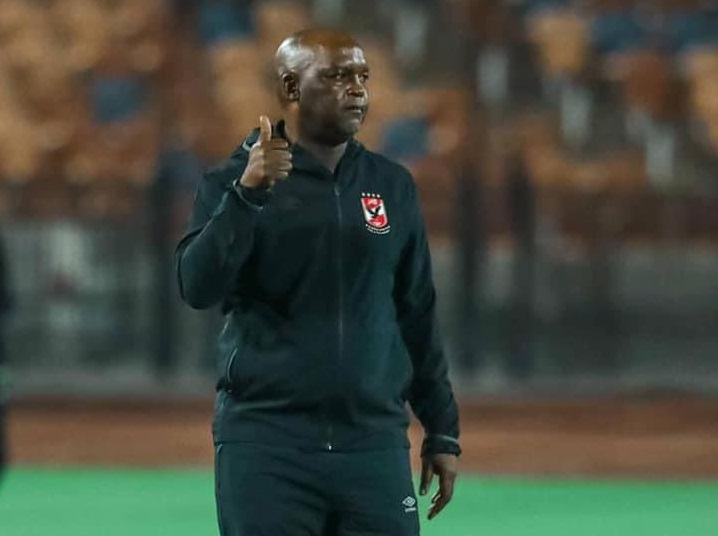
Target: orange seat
704 96
17 16
561 37
83 160
447 109
239 57
617 172
105 201
21 152
536 137
123 151
137 18
85 27
32 48
382 71
647 83
699 62
276 19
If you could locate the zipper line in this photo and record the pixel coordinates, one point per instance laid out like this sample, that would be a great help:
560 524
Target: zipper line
340 279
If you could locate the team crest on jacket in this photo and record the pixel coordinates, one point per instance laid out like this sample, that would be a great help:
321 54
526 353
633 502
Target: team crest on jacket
377 221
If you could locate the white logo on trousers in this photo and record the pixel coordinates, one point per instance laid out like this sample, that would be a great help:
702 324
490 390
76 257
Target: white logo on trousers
409 504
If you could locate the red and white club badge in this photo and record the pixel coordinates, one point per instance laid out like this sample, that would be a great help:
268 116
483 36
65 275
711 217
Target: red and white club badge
377 221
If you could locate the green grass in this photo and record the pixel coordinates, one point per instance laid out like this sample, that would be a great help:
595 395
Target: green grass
103 502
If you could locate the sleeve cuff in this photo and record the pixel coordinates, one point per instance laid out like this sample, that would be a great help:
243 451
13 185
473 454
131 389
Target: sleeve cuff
256 198
440 444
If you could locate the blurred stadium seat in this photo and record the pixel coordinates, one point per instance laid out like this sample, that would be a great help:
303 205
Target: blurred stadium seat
276 19
561 38
55 80
405 138
83 28
688 26
116 97
648 84
219 20
617 28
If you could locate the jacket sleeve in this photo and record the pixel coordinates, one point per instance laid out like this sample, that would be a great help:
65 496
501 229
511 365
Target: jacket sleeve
430 395
218 241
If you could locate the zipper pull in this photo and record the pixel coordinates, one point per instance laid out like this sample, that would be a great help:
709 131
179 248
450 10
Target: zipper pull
336 189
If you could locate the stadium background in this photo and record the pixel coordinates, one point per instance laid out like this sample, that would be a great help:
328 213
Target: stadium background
565 153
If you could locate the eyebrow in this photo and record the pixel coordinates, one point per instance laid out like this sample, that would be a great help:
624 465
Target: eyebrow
363 67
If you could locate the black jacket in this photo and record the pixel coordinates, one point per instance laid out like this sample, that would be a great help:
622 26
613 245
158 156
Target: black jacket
330 306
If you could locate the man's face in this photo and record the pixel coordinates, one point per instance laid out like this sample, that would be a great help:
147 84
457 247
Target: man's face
333 95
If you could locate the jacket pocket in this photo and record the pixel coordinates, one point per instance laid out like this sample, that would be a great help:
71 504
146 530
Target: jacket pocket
377 371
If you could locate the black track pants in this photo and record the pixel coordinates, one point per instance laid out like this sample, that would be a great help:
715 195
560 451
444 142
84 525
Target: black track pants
279 491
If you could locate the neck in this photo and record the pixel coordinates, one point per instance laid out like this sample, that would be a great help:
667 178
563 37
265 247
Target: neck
328 155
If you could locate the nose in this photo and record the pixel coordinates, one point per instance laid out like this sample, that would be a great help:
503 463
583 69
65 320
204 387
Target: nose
356 87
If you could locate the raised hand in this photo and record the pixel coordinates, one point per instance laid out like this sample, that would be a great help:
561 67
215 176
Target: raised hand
269 159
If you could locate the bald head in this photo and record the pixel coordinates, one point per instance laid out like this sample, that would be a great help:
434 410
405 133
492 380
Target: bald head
297 51
321 84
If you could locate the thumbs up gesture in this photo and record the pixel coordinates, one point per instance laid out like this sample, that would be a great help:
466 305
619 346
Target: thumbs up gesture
269 159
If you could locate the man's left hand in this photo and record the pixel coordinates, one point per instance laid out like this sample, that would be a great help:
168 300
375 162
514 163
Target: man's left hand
445 467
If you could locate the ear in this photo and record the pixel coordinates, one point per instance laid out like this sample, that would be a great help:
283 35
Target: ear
290 86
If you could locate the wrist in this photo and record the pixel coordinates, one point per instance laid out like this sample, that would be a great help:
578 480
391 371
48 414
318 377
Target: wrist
256 196
250 180
440 444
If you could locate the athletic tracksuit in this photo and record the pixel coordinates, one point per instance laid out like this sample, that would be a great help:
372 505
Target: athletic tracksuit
330 329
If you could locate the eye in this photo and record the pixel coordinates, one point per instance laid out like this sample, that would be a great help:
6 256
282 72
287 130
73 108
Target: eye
336 75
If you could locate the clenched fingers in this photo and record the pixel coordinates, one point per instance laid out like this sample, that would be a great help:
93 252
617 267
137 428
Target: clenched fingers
273 144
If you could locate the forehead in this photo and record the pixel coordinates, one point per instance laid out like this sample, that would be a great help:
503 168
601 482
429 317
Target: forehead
327 57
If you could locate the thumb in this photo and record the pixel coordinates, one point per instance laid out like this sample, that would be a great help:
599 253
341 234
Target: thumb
265 128
426 475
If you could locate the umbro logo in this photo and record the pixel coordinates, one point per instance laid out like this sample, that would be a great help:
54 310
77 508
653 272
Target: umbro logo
409 504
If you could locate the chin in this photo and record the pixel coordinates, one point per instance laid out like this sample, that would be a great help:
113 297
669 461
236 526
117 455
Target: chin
350 128
337 132
340 135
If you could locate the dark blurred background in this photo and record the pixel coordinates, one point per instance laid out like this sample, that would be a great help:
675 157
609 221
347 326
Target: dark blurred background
565 153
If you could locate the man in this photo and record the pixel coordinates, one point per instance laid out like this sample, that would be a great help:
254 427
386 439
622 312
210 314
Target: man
316 250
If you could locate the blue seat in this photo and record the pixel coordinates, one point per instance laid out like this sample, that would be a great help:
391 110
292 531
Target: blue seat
531 7
116 98
405 138
617 31
685 30
218 20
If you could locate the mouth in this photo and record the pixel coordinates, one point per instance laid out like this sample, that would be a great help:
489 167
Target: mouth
356 109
